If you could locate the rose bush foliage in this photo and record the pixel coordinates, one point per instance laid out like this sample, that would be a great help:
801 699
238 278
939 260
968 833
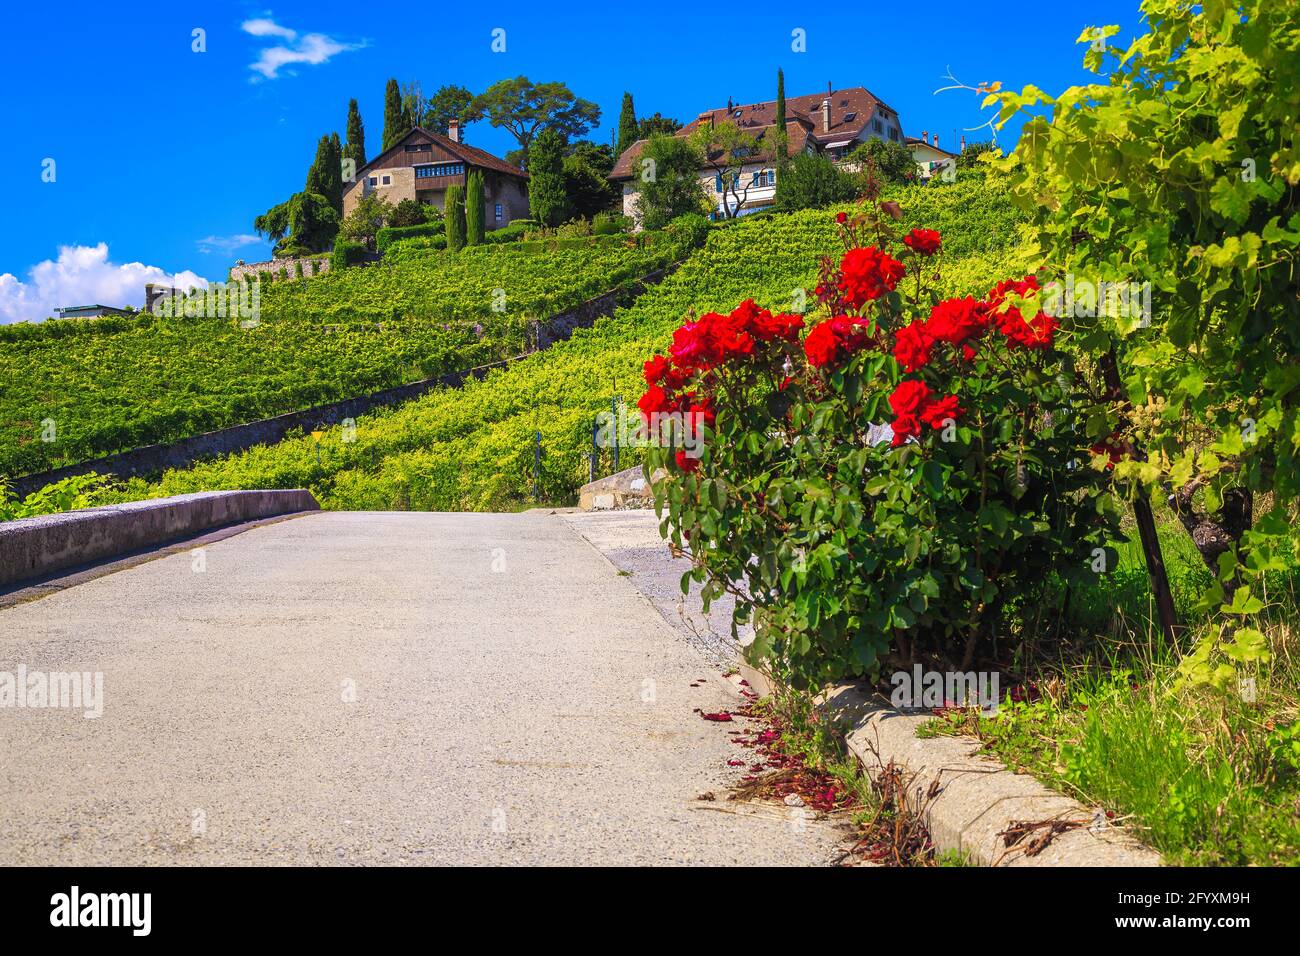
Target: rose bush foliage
841 543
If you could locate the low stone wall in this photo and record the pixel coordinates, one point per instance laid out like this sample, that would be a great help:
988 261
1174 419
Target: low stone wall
34 547
254 269
153 459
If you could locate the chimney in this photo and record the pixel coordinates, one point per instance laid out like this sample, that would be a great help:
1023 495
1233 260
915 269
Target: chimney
453 130
963 143
924 136
936 140
826 115
829 89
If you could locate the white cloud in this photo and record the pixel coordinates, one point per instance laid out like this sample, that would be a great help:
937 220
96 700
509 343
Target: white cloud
313 48
225 245
266 27
82 275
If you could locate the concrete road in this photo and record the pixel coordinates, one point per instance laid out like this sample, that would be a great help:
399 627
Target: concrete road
353 688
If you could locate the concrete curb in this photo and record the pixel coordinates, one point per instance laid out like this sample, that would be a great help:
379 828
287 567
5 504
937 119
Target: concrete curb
977 798
34 547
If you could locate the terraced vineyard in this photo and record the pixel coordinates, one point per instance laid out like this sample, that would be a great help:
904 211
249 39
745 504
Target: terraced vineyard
111 384
472 447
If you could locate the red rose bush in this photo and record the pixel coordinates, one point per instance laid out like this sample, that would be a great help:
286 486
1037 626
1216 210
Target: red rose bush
844 542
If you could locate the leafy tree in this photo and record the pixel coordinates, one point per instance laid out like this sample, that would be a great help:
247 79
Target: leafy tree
586 180
474 209
656 125
397 123
371 214
355 149
526 108
668 181
546 193
448 103
627 126
726 149
811 181
305 221
893 161
782 138
455 214
411 212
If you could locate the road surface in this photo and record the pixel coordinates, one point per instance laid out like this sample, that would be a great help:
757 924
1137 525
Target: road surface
363 688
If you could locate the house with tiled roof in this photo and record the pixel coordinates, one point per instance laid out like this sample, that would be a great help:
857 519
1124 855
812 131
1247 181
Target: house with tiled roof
423 164
834 123
932 160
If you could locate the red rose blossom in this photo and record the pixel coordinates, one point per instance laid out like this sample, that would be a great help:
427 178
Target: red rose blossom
835 339
956 320
867 274
686 463
924 241
909 397
937 413
656 369
912 346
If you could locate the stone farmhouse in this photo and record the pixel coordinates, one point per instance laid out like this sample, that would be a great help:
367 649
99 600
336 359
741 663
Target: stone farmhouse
834 123
424 164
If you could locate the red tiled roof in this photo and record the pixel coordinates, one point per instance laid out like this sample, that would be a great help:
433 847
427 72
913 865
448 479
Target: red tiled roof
918 141
471 155
806 111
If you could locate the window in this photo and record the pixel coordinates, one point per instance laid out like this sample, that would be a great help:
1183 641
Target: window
500 213
439 169
374 180
850 117
419 148
877 126
388 180
763 177
893 133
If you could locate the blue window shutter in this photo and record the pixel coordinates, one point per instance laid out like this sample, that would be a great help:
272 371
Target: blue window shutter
719 182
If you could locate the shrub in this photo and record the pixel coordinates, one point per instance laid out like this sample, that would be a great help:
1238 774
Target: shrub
385 238
346 253
812 181
840 538
692 228
474 209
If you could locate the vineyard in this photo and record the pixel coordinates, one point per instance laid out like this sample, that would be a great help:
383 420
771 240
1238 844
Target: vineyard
96 387
472 447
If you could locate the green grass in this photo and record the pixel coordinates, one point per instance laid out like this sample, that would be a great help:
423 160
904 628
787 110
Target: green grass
1204 777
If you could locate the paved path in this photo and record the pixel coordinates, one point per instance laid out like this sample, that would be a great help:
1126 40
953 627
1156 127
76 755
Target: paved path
511 699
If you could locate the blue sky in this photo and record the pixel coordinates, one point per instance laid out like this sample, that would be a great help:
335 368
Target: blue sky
163 156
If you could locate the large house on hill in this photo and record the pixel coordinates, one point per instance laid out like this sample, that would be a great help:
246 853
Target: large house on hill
834 123
423 164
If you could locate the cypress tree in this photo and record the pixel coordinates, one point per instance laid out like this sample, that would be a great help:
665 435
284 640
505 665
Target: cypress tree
316 172
627 128
546 195
474 209
355 149
782 140
455 213
397 121
332 174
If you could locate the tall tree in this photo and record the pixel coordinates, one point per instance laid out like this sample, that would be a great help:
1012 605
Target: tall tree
546 196
355 149
396 122
782 139
414 103
526 108
316 172
475 209
332 174
455 212
627 126
726 149
653 125
449 103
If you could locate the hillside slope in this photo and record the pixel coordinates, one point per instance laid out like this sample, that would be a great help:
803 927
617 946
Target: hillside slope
107 385
471 448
